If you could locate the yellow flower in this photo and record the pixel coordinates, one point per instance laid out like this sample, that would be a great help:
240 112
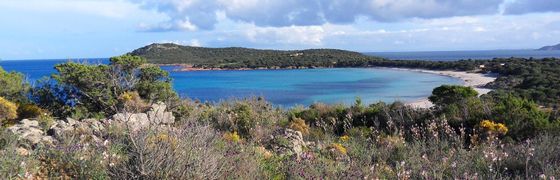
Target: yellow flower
339 148
127 96
344 138
493 127
501 128
232 137
8 110
298 124
162 137
487 124
264 152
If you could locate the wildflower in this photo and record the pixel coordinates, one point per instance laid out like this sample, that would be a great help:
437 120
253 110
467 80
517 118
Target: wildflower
127 96
344 138
501 128
493 127
232 137
487 124
338 148
8 110
298 124
264 152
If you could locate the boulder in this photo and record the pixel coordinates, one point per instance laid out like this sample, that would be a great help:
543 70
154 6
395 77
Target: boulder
154 117
134 121
158 114
90 129
288 142
30 131
61 126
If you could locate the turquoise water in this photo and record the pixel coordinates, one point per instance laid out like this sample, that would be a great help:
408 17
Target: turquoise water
283 87
306 86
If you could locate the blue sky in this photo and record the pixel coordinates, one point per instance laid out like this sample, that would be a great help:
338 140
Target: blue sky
40 29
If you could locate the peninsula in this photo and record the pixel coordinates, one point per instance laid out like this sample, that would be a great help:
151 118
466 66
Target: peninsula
550 48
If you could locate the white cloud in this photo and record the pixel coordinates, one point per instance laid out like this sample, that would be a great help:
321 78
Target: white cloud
192 42
195 43
531 6
460 33
286 13
302 35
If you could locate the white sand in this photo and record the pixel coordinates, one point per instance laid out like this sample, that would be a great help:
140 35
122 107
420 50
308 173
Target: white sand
474 80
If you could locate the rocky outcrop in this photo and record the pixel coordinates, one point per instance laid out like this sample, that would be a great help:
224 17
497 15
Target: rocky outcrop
31 132
288 142
91 130
157 115
91 127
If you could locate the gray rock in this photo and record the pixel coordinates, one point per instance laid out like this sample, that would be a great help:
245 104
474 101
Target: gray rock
71 122
154 117
158 115
288 142
30 131
132 120
29 123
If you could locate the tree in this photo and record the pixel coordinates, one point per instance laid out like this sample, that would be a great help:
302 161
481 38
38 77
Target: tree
450 94
97 88
13 86
523 117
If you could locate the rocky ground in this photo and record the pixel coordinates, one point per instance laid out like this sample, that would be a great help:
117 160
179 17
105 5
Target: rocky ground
30 131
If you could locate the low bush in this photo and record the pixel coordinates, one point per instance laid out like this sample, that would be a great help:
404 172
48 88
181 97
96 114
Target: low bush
27 111
8 111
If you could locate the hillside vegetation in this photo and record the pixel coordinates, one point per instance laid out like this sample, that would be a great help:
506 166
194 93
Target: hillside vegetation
234 57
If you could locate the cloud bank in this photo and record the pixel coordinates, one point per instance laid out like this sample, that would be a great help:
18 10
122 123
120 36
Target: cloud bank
530 6
205 14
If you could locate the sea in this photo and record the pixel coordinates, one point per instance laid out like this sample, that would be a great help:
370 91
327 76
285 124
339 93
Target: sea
288 88
465 55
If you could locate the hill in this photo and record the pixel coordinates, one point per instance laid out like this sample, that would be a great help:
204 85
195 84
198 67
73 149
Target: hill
236 57
550 48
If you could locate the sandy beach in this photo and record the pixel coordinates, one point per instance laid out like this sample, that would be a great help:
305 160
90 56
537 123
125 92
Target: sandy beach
474 80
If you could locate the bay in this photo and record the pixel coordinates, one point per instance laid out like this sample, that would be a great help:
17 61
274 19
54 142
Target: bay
281 87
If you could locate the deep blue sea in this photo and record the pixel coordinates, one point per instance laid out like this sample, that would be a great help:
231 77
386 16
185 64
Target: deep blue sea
458 55
291 87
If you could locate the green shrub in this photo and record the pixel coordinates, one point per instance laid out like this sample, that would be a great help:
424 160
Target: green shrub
523 118
8 111
95 89
14 86
250 118
27 111
450 94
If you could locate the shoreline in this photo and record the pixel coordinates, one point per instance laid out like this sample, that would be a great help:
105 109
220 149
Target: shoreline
470 79
190 67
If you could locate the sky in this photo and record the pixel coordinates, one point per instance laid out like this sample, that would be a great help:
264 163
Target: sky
59 29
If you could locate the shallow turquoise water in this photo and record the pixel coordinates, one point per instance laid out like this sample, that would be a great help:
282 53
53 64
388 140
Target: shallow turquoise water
283 87
291 87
